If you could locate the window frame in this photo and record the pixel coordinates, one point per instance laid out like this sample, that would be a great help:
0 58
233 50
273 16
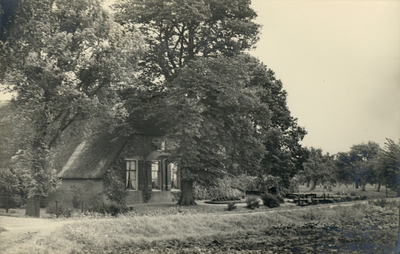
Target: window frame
177 183
128 162
159 180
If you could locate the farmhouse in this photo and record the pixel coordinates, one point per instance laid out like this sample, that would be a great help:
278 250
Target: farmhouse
89 150
140 160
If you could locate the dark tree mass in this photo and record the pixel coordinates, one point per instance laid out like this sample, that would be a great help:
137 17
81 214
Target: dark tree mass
231 114
176 68
177 31
65 61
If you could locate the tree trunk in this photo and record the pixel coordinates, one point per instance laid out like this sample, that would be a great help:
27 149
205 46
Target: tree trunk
187 197
313 184
379 186
363 187
356 184
386 191
33 207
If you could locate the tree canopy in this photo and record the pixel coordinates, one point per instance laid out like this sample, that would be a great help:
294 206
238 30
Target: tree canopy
356 165
188 79
65 60
388 165
179 30
319 167
232 113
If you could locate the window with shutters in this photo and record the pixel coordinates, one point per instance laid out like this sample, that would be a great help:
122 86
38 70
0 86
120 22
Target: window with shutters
131 175
155 176
174 176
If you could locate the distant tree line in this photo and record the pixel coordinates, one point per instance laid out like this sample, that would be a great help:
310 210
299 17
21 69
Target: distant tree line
364 164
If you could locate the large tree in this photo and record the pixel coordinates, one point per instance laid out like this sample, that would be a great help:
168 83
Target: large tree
65 60
180 30
217 119
284 154
388 166
221 111
357 164
319 167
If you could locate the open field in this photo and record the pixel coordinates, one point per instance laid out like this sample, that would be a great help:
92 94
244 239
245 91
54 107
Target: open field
370 191
356 227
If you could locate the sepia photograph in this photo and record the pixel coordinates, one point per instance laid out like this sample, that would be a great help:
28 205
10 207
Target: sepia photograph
199 126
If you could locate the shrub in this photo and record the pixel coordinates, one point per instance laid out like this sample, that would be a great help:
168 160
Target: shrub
379 202
115 209
9 188
177 195
270 200
293 186
220 189
352 194
347 198
226 199
114 187
86 198
252 202
59 209
200 192
363 197
280 198
244 182
146 194
13 202
231 206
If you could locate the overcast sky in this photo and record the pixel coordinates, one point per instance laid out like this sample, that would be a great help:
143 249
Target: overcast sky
339 61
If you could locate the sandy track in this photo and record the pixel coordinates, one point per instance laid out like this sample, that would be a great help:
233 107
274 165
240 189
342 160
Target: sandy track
20 230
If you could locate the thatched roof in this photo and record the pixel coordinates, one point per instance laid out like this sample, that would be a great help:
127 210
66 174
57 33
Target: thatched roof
92 157
85 150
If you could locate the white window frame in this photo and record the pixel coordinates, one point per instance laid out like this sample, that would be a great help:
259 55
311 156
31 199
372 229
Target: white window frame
156 164
127 170
173 176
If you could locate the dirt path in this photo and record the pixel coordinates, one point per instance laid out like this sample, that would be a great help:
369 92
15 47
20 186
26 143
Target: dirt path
19 230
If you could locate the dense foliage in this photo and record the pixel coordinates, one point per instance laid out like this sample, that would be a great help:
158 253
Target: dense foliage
357 164
388 166
270 200
227 111
177 31
319 168
64 61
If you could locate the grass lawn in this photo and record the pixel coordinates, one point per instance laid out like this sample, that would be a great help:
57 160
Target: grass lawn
165 228
351 227
370 191
16 212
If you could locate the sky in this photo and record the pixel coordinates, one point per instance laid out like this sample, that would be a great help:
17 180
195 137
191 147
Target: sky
339 62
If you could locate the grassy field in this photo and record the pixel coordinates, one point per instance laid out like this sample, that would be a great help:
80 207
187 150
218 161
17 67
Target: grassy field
340 228
370 191
351 227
